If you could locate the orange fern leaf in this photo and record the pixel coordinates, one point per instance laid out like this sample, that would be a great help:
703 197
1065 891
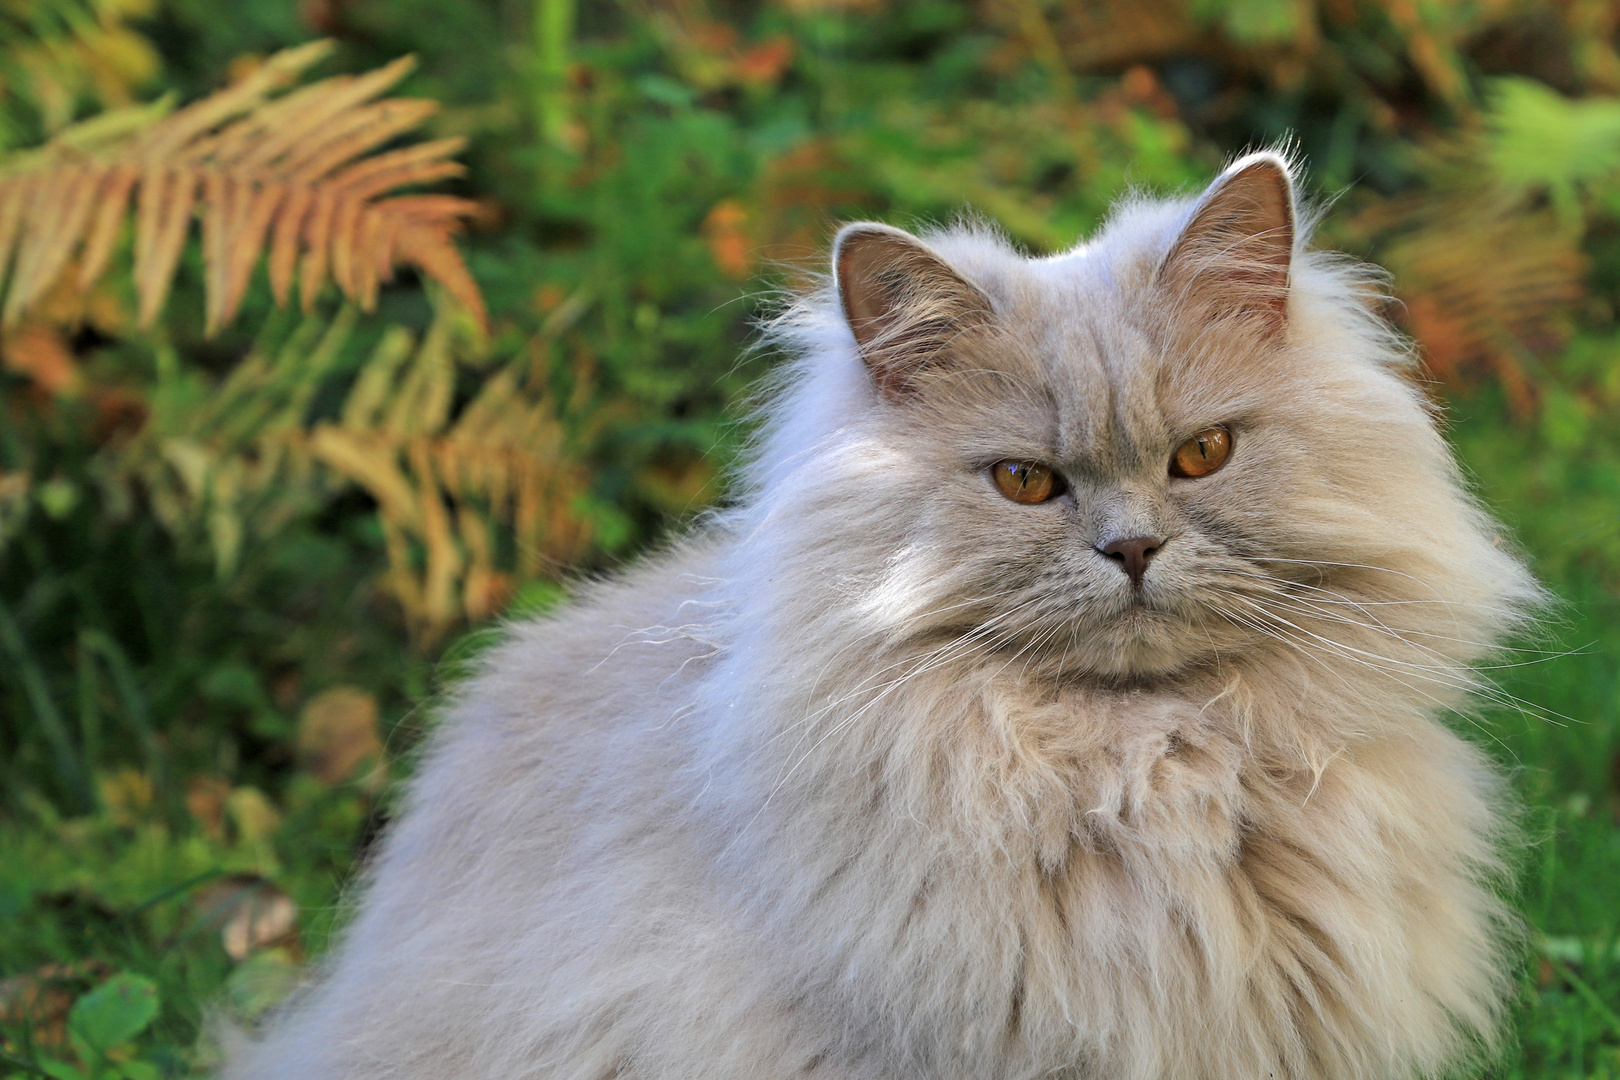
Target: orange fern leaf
288 176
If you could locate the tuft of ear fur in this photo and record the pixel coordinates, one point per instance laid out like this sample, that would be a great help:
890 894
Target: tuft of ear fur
1233 256
905 306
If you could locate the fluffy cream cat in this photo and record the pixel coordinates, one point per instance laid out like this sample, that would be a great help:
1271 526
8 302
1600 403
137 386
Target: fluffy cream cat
1062 700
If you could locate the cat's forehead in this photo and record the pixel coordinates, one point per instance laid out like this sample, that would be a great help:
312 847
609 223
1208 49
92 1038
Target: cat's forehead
1082 328
1094 361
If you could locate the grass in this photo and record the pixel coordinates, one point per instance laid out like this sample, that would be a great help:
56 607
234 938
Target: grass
1562 498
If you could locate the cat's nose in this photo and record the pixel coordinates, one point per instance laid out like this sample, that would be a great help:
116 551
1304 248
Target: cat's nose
1133 555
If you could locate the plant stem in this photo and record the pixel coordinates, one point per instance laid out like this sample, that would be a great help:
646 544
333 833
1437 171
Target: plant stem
69 766
553 32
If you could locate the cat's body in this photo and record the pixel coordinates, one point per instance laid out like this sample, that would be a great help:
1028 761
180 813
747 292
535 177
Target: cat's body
886 774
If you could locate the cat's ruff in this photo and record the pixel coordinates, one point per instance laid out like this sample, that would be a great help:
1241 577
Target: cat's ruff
887 774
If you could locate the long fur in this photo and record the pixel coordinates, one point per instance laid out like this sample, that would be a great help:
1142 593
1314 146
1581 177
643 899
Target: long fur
881 774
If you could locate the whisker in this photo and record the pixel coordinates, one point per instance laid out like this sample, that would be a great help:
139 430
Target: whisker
1329 596
1455 675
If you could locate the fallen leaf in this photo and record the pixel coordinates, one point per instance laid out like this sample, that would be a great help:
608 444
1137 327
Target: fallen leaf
250 912
338 732
41 353
127 795
40 1001
765 63
205 799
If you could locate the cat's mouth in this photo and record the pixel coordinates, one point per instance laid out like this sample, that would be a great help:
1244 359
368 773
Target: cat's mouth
1139 618
1140 612
1147 634
1139 601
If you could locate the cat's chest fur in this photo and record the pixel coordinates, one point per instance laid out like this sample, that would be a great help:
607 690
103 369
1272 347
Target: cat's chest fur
1003 882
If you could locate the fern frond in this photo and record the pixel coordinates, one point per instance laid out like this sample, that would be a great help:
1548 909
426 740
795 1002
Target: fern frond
1487 270
470 496
57 55
1110 33
289 177
449 483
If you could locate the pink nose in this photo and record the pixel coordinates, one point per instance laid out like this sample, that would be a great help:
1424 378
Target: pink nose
1133 555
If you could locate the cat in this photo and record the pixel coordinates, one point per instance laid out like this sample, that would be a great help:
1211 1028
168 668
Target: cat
1061 697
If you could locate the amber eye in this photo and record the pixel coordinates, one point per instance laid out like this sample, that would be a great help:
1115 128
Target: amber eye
1203 453
1026 481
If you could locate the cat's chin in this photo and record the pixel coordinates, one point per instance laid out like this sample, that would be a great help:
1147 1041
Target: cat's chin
1142 642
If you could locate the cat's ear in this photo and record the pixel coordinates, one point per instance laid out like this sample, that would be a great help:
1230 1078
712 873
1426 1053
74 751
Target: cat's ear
1233 256
905 306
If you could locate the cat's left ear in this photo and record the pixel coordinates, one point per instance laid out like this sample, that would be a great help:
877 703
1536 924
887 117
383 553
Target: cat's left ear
1234 255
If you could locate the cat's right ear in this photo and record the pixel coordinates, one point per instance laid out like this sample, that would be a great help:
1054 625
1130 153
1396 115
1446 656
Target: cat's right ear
906 307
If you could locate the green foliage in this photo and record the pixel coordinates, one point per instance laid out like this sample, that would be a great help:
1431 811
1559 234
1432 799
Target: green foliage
216 551
112 1014
60 57
1540 139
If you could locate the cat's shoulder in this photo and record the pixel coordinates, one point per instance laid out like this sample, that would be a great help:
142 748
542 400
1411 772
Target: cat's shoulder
606 654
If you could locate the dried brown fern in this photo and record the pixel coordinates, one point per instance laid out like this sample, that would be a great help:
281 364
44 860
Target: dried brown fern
1486 286
447 486
1108 34
1487 271
291 174
471 497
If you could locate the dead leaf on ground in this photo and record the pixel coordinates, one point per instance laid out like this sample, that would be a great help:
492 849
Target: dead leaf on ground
41 1000
127 795
205 799
250 912
338 732
41 353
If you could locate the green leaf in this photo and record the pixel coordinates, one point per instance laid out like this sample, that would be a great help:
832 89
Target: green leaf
1252 22
261 982
1541 139
114 1012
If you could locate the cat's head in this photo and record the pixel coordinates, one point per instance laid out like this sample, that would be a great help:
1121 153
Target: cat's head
1187 439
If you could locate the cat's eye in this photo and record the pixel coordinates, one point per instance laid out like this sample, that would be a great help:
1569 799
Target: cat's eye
1026 481
1203 453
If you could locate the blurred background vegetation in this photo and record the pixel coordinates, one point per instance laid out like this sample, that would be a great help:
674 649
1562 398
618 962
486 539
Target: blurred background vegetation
304 384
